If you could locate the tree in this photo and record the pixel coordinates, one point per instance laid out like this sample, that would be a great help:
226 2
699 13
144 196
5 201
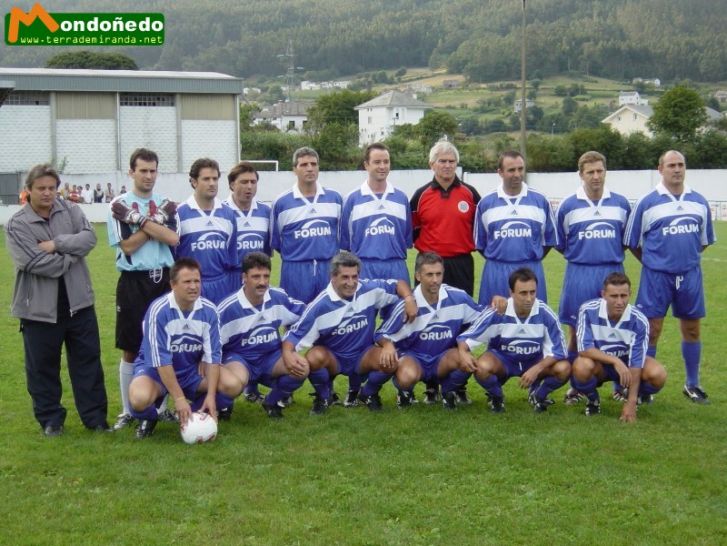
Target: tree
434 125
337 107
93 60
679 113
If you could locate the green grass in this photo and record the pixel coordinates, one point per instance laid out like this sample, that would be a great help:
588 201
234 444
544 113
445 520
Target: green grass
421 476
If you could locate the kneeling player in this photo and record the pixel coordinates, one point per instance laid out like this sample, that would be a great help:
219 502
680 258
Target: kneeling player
526 341
249 323
181 338
427 345
612 341
339 327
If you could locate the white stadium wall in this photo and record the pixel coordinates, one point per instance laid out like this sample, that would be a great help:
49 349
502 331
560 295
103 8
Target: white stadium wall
208 138
30 136
156 127
86 145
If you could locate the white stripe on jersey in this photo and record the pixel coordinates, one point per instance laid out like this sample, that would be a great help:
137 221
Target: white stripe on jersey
587 214
504 212
200 224
302 213
373 208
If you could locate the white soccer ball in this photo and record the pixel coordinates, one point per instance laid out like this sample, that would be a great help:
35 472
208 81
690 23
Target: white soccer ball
200 428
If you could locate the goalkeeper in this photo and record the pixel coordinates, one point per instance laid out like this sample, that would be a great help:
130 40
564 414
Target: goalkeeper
141 226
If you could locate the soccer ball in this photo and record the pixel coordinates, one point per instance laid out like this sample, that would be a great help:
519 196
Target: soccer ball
200 428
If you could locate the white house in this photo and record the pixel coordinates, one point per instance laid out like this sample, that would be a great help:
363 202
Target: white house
89 121
518 105
631 97
290 117
378 117
632 118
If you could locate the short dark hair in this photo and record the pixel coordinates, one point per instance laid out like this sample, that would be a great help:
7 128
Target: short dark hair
183 263
203 163
524 274
256 259
427 258
302 152
511 154
39 171
344 259
616 279
142 153
374 146
241 168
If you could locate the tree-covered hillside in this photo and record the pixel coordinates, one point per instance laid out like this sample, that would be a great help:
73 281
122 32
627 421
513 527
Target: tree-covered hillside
669 39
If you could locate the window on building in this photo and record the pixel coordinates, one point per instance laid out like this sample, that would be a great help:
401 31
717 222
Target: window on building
634 117
28 98
291 124
370 120
146 99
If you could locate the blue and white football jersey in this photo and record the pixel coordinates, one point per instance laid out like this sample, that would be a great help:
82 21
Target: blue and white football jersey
182 339
592 233
253 332
670 230
306 229
210 237
435 329
376 226
627 339
345 327
253 228
528 340
514 228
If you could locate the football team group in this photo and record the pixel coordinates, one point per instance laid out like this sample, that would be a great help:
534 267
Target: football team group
198 322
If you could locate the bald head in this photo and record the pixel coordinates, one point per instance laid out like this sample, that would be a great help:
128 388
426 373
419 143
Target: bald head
673 168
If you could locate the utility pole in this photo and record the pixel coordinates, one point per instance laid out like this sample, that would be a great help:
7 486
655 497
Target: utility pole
523 83
289 59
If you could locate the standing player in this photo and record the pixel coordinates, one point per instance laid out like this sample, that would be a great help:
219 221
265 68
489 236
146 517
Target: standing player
253 218
590 226
612 341
515 228
181 337
208 232
667 231
443 216
376 223
142 230
339 325
443 213
427 346
253 230
305 229
249 324
525 342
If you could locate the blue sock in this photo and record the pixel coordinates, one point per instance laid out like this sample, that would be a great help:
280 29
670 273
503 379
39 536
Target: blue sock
283 387
454 380
321 381
223 401
646 388
651 351
572 355
149 413
586 387
491 385
354 382
546 386
692 354
375 382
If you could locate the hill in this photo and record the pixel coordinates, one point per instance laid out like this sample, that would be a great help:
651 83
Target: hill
618 39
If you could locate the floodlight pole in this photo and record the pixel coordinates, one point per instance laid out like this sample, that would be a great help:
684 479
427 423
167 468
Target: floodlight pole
523 104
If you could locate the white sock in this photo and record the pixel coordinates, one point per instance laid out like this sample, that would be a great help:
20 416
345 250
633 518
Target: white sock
163 406
126 374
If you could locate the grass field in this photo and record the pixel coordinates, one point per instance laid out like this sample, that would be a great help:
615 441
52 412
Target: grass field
412 477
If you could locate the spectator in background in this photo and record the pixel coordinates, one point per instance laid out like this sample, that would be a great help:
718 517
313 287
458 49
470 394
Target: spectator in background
75 194
109 193
98 195
87 194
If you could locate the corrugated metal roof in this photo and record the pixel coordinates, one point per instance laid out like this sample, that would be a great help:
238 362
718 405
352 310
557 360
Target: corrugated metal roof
123 81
